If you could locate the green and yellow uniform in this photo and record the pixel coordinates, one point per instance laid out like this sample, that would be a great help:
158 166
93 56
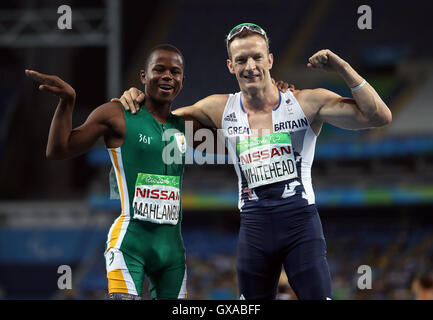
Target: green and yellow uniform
145 240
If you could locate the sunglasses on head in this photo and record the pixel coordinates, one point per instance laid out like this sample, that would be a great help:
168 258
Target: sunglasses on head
249 26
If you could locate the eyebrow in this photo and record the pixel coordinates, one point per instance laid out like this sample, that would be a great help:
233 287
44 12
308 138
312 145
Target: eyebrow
173 68
256 55
164 66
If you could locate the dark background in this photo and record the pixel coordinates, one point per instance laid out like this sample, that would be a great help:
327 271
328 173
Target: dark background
374 188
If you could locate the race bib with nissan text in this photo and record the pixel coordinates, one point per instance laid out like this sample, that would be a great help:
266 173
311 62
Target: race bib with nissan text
157 198
268 159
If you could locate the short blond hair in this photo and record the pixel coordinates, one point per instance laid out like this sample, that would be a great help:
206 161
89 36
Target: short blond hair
245 33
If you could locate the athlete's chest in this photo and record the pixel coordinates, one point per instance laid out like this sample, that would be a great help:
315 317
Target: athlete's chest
288 116
155 140
260 123
144 136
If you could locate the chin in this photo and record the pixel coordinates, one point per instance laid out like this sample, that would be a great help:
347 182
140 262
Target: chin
167 98
252 86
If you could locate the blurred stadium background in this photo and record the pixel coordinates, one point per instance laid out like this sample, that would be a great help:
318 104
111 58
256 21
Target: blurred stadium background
374 188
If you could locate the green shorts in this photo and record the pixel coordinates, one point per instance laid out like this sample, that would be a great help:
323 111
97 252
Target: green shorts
126 275
147 250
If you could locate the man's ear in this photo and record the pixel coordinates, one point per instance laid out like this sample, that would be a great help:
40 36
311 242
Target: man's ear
230 66
142 76
270 60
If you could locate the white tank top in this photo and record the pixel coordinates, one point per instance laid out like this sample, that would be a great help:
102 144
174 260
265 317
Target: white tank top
289 117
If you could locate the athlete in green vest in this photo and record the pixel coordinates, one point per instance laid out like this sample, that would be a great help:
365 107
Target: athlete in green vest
147 153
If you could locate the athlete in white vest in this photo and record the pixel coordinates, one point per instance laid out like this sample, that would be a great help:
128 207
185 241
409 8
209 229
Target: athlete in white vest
286 172
272 137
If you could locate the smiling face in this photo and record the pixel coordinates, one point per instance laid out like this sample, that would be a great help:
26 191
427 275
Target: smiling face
250 61
163 75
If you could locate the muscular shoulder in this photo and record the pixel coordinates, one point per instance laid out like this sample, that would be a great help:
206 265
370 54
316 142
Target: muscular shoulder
314 96
111 115
311 100
110 112
109 108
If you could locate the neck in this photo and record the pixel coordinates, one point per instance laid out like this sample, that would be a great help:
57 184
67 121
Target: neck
263 99
160 111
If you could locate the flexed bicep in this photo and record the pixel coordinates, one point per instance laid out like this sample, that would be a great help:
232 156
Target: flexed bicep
339 111
344 113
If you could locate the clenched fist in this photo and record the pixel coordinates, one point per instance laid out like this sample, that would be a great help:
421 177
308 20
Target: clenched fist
326 60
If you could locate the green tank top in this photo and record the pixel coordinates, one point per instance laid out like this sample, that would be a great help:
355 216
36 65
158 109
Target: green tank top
148 170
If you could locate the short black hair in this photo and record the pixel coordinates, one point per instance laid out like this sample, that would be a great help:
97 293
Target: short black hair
164 47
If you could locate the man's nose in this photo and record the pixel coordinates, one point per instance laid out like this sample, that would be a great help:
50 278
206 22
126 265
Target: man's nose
167 75
251 64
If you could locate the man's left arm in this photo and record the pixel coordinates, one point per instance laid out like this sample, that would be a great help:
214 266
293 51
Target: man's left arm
365 110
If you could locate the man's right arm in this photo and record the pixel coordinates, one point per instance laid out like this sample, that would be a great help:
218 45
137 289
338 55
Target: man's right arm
208 111
65 142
